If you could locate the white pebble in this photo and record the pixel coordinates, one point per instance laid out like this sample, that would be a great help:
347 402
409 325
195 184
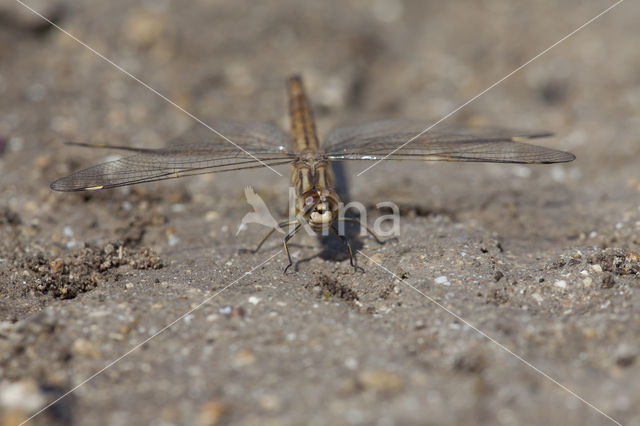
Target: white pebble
254 300
351 363
558 174
561 284
537 297
521 171
211 216
596 268
442 280
173 240
584 272
22 396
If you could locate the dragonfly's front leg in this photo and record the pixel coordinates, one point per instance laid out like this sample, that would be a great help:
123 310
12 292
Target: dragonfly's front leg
280 225
344 240
286 248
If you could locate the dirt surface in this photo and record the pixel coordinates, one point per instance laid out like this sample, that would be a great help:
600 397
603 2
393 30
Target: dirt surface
540 261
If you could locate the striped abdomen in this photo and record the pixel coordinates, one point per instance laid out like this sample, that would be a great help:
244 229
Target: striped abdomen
303 128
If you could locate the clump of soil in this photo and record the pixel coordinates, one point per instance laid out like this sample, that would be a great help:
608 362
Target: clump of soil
9 217
618 261
331 287
83 270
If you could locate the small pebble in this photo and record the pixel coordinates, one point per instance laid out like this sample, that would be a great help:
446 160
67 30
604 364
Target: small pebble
351 363
84 347
22 396
173 240
626 355
380 381
143 29
560 284
442 280
537 297
270 403
243 358
211 215
57 266
608 281
558 174
211 413
237 312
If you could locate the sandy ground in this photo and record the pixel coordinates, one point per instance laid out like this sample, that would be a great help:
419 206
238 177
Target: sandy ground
504 279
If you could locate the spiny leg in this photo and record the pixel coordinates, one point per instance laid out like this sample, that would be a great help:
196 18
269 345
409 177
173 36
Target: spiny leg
286 248
344 240
369 230
266 237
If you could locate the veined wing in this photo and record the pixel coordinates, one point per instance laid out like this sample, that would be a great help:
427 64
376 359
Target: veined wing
384 139
196 152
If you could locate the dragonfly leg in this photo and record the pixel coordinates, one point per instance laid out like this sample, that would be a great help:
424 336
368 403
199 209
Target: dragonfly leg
344 240
266 237
369 230
286 247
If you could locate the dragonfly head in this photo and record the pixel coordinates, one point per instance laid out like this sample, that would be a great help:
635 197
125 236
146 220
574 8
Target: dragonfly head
320 208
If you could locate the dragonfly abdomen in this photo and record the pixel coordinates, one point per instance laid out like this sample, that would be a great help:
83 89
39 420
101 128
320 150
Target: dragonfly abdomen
303 129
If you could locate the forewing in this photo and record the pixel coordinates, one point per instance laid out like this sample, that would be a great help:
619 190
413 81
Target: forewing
254 145
396 140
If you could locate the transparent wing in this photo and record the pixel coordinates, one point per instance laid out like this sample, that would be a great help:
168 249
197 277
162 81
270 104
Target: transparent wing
256 145
384 139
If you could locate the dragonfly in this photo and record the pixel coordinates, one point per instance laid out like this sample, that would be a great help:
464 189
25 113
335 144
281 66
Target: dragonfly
317 204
